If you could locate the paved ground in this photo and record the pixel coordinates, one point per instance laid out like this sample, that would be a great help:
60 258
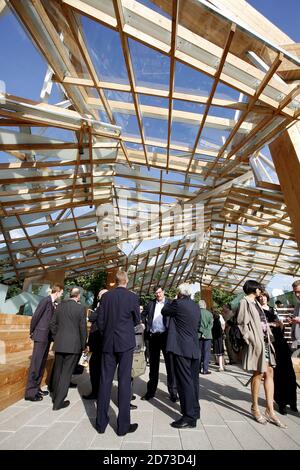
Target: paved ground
225 420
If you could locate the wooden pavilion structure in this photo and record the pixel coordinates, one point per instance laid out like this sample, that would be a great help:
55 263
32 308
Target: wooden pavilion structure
164 104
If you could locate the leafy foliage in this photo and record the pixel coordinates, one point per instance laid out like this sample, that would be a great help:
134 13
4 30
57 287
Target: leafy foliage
197 297
14 288
220 298
90 282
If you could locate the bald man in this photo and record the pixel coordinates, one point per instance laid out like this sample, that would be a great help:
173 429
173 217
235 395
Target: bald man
69 330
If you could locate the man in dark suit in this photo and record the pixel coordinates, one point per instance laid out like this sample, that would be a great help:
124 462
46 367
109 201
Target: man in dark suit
40 334
120 312
185 317
69 330
156 331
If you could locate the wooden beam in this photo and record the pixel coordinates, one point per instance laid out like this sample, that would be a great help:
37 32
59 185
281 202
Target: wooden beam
213 89
285 151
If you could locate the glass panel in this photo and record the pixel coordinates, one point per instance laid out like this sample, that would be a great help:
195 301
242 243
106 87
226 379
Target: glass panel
188 106
149 100
156 8
215 136
183 134
106 51
128 123
150 67
18 54
190 80
226 92
118 96
156 129
218 111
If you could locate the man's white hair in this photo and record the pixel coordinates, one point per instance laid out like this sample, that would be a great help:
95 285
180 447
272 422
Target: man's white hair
185 289
202 303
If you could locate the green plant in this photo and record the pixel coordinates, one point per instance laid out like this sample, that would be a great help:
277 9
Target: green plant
220 298
90 282
197 297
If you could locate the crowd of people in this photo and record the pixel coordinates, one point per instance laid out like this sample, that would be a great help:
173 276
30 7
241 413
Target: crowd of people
182 330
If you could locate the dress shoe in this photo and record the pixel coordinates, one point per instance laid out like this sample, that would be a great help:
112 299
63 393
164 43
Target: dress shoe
133 407
207 372
43 393
147 397
282 410
174 398
133 397
91 396
181 424
132 428
100 431
36 398
63 405
72 385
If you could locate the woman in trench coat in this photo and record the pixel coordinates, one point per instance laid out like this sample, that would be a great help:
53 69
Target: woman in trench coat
258 352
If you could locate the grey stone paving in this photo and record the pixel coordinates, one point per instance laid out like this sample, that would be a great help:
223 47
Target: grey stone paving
225 420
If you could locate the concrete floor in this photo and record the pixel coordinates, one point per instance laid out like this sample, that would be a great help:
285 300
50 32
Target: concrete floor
225 421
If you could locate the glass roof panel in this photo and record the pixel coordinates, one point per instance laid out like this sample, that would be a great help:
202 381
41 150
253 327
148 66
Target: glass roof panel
218 111
150 67
190 80
188 106
156 129
128 123
226 92
118 96
105 49
149 100
18 53
183 133
155 7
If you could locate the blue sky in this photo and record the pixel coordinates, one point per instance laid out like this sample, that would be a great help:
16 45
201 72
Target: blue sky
284 14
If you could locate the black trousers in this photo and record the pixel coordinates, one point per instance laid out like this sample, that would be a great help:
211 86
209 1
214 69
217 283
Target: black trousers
37 367
62 372
95 368
204 349
157 344
187 379
109 363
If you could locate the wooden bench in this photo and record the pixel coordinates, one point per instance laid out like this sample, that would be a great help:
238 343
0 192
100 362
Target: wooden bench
15 355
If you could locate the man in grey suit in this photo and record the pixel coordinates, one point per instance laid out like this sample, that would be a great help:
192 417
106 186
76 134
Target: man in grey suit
40 334
69 330
182 342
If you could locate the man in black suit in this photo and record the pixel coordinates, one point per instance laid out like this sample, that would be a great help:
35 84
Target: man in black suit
156 331
185 317
69 330
120 312
40 334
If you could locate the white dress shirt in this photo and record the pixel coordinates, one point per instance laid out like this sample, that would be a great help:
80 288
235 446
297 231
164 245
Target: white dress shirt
158 324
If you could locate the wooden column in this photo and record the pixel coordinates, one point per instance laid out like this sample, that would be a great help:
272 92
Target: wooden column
206 294
111 278
285 152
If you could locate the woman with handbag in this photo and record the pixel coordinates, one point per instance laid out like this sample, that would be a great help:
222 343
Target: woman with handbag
258 352
285 385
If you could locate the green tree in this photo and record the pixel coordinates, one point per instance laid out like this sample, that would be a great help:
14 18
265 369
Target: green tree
220 298
197 297
14 287
90 282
